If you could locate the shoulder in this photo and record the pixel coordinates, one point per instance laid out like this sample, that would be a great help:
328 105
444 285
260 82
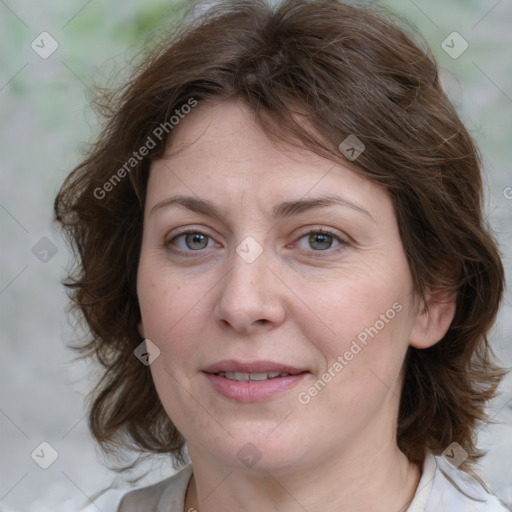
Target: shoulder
454 490
107 501
167 495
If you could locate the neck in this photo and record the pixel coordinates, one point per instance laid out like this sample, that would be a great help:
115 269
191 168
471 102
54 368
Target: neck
379 481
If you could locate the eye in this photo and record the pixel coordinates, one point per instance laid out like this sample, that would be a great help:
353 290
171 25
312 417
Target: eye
190 241
322 240
319 240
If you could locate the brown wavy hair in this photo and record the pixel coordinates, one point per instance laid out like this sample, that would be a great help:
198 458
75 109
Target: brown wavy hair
313 72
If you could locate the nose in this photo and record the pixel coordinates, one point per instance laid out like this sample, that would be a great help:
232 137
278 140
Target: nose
250 296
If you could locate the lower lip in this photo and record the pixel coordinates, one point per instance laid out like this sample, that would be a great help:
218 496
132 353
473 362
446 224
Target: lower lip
253 390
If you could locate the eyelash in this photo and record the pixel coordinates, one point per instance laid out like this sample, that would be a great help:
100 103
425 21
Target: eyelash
322 231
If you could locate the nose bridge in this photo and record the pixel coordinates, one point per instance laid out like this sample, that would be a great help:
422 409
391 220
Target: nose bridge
249 294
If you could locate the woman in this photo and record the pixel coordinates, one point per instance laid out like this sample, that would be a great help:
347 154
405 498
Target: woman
285 268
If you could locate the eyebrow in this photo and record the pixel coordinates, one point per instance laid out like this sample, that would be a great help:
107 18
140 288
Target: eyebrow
280 211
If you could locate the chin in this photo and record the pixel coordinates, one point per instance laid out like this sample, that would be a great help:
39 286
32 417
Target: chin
258 453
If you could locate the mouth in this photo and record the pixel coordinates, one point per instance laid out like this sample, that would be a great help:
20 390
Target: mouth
244 376
254 381
253 368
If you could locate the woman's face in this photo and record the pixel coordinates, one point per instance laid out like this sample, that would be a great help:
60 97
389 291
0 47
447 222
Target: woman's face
255 288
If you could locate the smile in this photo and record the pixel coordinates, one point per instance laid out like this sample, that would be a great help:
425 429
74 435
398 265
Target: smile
242 376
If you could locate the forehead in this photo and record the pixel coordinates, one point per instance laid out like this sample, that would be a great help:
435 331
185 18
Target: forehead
219 151
228 133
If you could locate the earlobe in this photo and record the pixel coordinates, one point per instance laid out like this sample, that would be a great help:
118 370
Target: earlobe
433 319
140 328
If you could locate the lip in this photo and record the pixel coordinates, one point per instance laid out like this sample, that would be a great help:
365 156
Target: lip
260 366
253 391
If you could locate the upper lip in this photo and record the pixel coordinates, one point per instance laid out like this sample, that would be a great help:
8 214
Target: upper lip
252 367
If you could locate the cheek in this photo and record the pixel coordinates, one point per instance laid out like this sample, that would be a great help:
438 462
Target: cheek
369 319
362 360
170 311
351 309
168 307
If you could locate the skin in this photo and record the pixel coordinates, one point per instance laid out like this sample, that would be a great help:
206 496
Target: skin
301 302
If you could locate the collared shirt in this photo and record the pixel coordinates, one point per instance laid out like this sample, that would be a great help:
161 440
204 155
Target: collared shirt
442 488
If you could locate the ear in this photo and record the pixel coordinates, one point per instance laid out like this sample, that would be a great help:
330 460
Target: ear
433 319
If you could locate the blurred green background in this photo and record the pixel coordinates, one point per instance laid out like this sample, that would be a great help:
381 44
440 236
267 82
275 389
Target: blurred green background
46 123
